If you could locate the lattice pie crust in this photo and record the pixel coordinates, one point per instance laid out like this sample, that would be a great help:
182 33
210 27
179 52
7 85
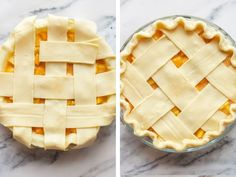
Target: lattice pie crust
178 83
57 83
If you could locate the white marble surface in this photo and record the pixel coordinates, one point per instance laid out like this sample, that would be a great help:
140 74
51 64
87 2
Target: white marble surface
136 158
96 161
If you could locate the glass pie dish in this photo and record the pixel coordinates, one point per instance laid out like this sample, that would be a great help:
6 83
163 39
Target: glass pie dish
142 136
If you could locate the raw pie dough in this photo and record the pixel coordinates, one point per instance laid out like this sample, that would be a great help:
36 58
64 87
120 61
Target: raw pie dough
57 83
178 83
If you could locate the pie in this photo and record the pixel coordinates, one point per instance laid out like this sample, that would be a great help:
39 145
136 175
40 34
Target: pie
178 83
57 83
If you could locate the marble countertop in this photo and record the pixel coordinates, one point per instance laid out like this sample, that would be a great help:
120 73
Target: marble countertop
98 160
138 159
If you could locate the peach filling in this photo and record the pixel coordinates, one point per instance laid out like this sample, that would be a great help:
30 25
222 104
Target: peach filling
179 59
130 58
152 83
176 111
41 35
157 35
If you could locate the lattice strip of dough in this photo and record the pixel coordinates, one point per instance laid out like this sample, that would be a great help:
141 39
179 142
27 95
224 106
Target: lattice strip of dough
160 52
105 83
136 78
224 79
174 85
73 52
196 110
171 128
131 93
202 63
144 44
86 32
23 72
7 84
86 88
55 119
188 42
213 123
44 86
32 115
84 84
147 115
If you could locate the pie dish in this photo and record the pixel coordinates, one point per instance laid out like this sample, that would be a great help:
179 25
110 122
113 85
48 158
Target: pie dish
57 83
178 83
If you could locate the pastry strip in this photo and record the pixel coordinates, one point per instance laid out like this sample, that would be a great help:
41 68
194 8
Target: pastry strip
85 84
172 128
198 111
202 63
55 118
23 76
151 109
131 93
159 54
106 83
174 85
44 86
213 123
7 84
71 52
137 80
224 79
143 45
188 42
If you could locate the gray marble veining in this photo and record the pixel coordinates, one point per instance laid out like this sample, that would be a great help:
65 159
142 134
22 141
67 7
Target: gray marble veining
138 159
98 160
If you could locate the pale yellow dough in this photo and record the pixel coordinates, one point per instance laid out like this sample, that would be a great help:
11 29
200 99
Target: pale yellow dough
175 87
56 110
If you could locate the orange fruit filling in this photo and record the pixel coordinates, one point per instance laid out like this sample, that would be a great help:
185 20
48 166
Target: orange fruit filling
39 101
8 99
205 40
201 84
130 58
70 131
227 61
69 69
176 110
101 66
179 59
38 130
152 83
157 35
199 133
225 108
70 102
39 69
130 105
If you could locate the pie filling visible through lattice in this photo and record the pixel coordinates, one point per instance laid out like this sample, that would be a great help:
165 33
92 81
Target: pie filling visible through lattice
57 83
178 83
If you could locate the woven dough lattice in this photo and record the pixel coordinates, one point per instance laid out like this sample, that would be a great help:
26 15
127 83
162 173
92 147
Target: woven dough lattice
178 83
57 83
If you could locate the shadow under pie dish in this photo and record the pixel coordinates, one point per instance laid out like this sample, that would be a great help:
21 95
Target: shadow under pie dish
178 83
57 83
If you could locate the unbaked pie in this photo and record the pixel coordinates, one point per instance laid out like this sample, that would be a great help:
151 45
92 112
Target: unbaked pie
57 83
178 83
